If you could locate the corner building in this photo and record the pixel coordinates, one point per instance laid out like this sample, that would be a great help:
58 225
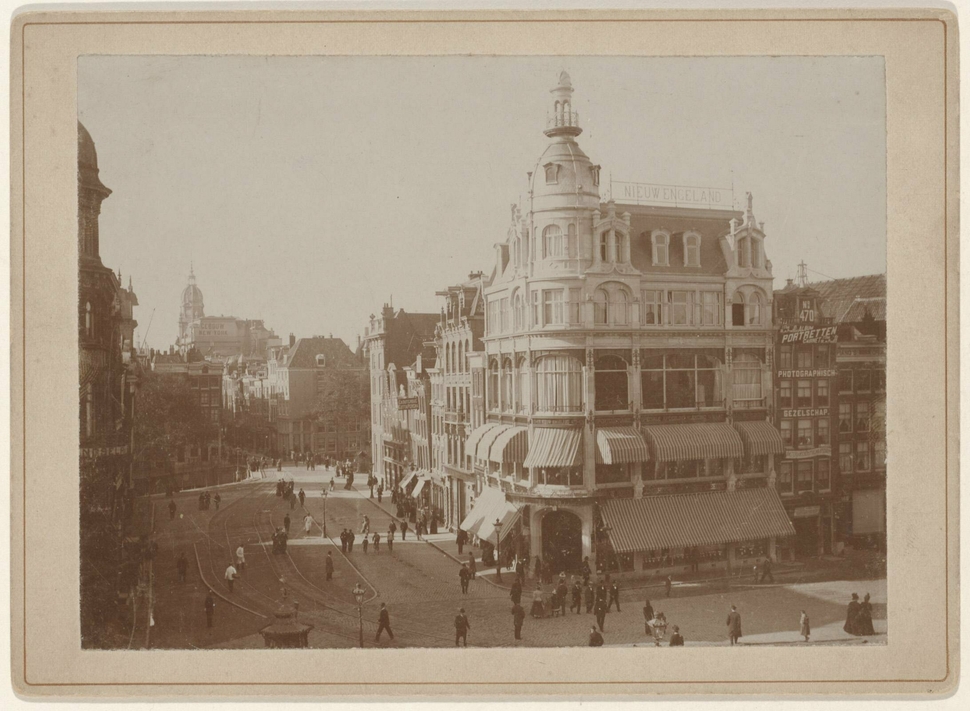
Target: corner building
628 379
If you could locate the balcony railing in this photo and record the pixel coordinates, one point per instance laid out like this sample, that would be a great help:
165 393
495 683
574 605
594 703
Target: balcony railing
563 118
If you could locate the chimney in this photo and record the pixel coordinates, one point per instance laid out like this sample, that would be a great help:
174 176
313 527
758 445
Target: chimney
388 312
789 283
292 340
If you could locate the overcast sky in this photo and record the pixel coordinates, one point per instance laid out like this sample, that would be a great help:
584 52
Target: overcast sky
307 191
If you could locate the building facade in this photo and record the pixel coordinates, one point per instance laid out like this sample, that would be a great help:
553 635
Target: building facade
628 378
458 339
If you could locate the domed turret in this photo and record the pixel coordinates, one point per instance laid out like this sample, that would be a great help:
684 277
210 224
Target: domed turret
87 162
193 306
90 194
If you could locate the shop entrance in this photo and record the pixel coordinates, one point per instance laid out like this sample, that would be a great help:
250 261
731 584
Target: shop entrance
806 537
562 541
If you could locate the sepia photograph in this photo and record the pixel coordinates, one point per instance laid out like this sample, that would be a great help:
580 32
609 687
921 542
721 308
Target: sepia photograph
550 351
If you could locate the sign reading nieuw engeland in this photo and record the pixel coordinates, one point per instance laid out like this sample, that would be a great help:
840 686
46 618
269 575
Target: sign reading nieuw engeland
676 195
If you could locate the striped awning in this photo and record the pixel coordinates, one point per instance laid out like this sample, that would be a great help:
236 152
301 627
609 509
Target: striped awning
488 505
510 446
676 443
407 480
488 438
554 448
620 445
471 443
418 488
760 438
705 519
508 515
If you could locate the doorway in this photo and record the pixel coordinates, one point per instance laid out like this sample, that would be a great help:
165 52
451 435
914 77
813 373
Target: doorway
562 541
806 537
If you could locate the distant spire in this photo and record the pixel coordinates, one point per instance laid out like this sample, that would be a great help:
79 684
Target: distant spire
802 278
564 121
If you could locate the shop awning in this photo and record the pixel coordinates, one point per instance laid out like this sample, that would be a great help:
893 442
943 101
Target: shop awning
488 438
508 515
554 448
620 445
488 505
705 519
676 443
471 443
407 479
760 438
510 446
417 488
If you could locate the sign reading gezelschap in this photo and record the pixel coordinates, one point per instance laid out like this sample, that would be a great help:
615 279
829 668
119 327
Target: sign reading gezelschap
676 195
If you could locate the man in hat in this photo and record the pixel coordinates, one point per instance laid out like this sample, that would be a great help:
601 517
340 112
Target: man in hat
230 576
383 623
464 575
518 617
286 524
676 640
461 627
734 625
614 596
595 638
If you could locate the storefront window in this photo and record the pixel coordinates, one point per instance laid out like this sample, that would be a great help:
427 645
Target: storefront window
784 393
715 467
803 481
845 417
804 396
822 393
755 549
748 465
822 474
785 478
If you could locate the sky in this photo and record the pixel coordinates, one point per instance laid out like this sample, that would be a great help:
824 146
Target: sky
309 191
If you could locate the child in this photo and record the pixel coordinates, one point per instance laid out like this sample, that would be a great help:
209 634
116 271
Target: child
806 629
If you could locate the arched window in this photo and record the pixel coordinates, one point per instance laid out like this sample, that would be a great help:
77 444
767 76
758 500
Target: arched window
88 320
612 383
622 246
559 384
461 357
468 350
600 307
692 250
738 310
744 252
746 376
661 249
522 397
493 385
552 242
754 310
620 309
507 376
757 253
604 250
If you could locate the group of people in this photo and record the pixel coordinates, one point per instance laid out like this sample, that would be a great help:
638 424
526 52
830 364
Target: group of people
280 537
858 618
348 538
205 500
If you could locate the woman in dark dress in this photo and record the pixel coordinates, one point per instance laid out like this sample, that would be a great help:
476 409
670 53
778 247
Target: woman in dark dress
852 616
865 617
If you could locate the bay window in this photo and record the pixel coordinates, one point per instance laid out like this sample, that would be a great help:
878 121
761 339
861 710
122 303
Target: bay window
552 247
559 384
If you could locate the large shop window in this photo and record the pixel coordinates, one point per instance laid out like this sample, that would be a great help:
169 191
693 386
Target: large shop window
559 382
746 373
681 381
804 479
612 384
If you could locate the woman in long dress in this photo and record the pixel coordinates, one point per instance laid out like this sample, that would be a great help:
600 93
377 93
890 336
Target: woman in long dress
537 608
865 617
852 615
804 626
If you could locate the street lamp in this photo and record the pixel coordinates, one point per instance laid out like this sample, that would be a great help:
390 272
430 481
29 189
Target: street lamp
359 597
325 492
498 553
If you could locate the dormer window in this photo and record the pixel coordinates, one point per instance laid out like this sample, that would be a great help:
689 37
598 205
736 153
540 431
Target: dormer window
595 170
321 360
692 250
605 246
552 173
661 249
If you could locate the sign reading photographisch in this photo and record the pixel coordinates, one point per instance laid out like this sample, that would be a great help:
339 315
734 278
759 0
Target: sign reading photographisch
676 195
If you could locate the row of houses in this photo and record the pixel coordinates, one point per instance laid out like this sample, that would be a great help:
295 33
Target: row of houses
626 386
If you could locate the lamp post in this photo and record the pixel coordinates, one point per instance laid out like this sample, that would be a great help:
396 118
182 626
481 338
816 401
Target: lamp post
498 553
359 597
325 492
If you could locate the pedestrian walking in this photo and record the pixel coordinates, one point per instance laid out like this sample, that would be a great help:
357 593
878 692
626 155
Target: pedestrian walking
766 570
343 541
365 543
331 484
292 499
518 617
390 541
471 565
181 565
805 628
383 623
365 526
676 639
577 602
208 498
537 610
562 592
404 530
217 499
589 596
171 510
516 592
391 529
595 638
376 540
210 608
460 539
286 524
600 609
852 625
302 496
230 576
668 583
755 569
464 576
734 625
865 617
614 597
461 627
647 616
351 539
241 558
